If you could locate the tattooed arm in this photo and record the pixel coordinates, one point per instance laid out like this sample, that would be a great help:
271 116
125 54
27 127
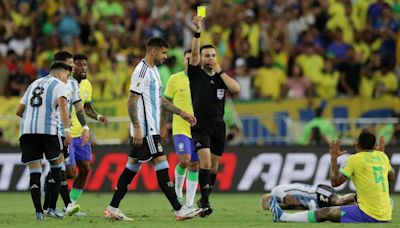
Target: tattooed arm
168 106
133 115
80 113
89 110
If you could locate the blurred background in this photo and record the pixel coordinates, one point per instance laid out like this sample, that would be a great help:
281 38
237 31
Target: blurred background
309 70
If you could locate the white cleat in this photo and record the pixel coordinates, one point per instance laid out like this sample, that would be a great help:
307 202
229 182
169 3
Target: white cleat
187 213
115 214
72 209
54 214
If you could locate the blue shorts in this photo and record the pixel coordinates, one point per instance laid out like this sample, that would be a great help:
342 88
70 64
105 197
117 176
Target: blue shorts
184 145
353 214
77 152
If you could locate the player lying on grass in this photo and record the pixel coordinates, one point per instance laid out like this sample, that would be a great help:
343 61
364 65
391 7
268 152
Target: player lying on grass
299 196
370 170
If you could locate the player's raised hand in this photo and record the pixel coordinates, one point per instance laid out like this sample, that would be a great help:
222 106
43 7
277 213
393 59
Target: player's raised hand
381 145
137 136
189 118
334 149
197 23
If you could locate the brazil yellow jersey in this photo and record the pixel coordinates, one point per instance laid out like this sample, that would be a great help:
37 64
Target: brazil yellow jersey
86 97
369 173
178 90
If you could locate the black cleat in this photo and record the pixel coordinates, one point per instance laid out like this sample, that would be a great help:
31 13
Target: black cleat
207 210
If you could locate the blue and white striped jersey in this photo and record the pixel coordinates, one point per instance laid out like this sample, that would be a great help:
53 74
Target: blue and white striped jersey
145 81
41 108
302 192
73 87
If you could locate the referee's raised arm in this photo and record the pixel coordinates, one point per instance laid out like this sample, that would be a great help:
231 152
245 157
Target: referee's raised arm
195 57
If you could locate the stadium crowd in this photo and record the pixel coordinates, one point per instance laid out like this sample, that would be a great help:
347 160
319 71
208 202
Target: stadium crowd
276 49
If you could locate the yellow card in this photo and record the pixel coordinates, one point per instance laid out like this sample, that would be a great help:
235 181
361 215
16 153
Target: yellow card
201 11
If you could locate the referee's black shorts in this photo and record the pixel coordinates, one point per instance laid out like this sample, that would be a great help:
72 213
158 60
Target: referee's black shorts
210 134
33 146
150 149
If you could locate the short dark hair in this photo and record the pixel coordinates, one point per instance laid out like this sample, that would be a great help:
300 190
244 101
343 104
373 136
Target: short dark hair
156 42
207 46
80 57
60 65
187 51
366 140
62 56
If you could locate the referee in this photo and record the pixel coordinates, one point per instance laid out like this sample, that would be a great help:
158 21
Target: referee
208 85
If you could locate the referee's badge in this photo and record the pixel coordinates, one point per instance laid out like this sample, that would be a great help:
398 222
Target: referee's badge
159 147
220 93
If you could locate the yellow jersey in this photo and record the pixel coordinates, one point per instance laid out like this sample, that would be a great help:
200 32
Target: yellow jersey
369 172
86 97
178 90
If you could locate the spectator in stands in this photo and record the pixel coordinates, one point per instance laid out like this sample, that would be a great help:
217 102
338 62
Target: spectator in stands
350 73
318 131
367 84
29 65
20 42
387 83
244 52
244 79
297 85
310 62
375 13
11 61
326 82
19 80
337 49
269 79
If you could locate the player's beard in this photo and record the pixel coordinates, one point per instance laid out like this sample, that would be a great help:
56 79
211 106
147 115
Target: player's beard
83 75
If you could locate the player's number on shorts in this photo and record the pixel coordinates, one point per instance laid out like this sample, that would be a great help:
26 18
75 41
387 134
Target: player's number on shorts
378 175
36 99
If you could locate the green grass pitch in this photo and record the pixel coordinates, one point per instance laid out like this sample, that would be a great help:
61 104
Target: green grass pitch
153 210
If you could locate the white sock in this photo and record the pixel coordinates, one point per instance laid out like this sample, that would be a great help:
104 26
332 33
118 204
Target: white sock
191 188
179 179
296 217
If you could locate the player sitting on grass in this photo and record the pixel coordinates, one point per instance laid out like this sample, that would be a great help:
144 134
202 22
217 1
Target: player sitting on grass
370 170
299 196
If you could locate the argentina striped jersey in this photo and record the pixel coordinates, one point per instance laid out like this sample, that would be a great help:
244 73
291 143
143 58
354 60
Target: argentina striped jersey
146 82
73 87
302 192
40 99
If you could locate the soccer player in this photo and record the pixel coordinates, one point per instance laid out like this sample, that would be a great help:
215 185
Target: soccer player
370 171
75 101
208 84
80 151
44 101
178 91
303 196
144 104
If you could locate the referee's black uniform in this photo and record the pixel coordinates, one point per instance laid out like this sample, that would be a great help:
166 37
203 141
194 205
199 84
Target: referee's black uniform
208 98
